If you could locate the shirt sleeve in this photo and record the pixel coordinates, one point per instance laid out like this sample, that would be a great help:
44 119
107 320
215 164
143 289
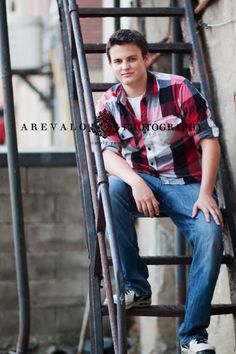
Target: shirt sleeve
196 113
107 128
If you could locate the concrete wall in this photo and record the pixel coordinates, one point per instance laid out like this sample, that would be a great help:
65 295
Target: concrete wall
221 48
156 237
57 257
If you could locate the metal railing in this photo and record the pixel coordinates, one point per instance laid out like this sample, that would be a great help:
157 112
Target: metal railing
15 187
82 111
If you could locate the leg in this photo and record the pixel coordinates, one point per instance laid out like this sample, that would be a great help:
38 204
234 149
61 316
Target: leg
206 239
207 255
123 211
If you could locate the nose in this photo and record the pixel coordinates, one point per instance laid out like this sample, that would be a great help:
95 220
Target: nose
125 65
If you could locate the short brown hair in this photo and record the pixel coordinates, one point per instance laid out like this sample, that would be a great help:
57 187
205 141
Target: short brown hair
127 36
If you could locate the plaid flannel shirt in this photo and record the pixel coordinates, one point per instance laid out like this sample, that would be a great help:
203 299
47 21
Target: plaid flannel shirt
174 118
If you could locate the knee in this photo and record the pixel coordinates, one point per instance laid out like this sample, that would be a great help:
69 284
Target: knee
209 235
215 237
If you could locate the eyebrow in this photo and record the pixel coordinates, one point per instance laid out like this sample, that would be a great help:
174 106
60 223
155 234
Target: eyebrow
130 56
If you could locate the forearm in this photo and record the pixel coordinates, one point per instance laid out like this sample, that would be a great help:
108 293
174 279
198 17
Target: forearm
117 166
210 163
144 198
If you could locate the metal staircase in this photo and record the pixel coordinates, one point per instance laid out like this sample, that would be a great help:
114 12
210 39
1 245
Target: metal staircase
93 178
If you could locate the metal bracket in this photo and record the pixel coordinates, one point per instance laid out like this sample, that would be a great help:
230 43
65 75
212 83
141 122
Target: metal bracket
47 99
72 8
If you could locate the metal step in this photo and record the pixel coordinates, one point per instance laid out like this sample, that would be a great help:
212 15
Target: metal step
176 260
92 48
101 86
131 12
173 310
104 86
26 72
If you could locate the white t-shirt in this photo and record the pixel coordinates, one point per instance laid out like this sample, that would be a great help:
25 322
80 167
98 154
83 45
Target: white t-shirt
135 103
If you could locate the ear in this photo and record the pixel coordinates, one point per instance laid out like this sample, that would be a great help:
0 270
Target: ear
147 60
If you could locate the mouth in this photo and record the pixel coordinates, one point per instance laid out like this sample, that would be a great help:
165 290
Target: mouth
127 74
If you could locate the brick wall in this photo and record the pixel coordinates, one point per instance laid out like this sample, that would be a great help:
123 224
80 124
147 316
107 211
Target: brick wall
57 257
92 33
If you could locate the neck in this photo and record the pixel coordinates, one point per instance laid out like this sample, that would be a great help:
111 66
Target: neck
136 90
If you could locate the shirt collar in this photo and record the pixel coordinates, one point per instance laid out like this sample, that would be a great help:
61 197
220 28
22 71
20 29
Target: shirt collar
152 89
152 86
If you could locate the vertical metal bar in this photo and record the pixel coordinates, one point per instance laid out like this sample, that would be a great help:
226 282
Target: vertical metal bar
80 347
180 276
106 275
177 58
117 19
108 287
15 188
180 270
100 235
94 282
89 156
101 238
102 179
197 51
140 20
119 279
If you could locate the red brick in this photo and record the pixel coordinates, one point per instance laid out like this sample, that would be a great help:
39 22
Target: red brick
92 33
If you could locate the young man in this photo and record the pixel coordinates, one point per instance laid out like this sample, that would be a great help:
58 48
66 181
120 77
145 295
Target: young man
155 124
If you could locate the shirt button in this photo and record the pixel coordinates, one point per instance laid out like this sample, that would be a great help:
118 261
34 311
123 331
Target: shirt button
152 163
149 148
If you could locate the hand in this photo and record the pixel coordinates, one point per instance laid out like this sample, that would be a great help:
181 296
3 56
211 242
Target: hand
208 205
144 198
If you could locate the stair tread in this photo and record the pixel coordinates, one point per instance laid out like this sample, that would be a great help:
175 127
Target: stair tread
104 86
173 310
131 11
179 47
175 260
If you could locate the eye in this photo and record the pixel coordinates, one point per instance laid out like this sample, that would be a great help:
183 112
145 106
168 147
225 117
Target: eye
132 59
117 61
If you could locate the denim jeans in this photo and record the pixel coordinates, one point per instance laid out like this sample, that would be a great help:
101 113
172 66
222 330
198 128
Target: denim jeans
206 239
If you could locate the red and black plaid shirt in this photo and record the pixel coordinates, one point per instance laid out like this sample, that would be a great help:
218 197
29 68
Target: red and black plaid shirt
174 118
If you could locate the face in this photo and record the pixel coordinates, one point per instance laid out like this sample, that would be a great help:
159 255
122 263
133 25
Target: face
128 64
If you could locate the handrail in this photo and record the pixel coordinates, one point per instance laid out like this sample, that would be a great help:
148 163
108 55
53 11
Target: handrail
15 188
101 176
90 231
91 173
80 92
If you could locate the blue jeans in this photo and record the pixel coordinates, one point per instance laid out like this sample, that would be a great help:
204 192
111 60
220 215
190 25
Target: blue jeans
206 239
